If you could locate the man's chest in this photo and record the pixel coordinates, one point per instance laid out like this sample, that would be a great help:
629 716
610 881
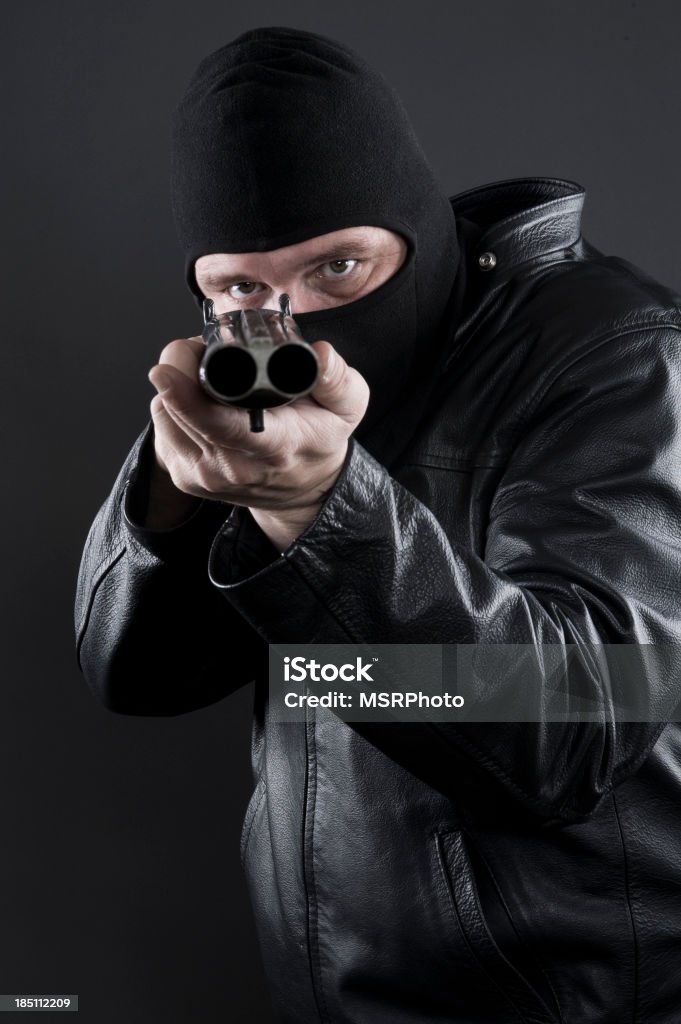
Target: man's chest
464 447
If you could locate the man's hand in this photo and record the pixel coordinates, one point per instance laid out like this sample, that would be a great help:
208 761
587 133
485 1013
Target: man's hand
282 474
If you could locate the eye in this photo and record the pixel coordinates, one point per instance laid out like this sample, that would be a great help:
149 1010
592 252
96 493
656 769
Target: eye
242 289
338 268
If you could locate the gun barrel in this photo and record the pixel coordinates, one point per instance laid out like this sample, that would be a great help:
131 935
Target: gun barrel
256 359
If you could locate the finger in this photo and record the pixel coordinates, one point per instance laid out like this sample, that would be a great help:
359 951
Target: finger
185 354
161 380
215 424
185 425
340 388
156 404
172 443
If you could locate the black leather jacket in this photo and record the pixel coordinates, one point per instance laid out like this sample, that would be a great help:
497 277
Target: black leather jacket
476 872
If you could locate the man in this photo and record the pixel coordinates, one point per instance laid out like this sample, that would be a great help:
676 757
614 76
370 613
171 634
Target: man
491 456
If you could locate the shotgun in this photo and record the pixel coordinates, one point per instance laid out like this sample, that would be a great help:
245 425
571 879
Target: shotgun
256 359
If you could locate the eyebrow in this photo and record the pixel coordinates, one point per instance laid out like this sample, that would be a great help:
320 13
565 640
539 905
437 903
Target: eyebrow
342 251
359 248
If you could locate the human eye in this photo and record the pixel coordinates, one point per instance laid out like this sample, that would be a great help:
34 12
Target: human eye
335 269
243 289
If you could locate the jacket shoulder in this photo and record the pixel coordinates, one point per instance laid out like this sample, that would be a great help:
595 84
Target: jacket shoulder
592 296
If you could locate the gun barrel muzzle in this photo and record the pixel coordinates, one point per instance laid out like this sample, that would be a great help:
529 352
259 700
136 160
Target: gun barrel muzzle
256 359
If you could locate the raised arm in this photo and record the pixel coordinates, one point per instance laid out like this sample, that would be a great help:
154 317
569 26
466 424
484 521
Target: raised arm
154 636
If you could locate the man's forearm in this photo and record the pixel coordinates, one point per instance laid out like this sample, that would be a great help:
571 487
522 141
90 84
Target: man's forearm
140 595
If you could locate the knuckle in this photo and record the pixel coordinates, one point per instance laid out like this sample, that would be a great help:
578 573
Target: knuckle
173 467
209 474
183 479
204 475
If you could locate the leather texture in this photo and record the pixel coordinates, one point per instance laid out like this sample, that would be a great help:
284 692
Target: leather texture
479 873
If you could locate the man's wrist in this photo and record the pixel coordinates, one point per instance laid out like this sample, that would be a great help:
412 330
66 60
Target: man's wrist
284 526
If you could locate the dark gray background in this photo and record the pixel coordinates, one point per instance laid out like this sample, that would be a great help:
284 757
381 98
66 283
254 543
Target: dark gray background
119 858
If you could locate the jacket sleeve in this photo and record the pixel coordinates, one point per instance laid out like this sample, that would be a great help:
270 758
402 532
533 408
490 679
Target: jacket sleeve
583 546
153 636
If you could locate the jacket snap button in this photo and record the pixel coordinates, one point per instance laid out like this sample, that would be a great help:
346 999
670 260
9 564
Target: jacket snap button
487 260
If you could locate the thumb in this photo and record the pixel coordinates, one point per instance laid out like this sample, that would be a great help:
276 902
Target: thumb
175 387
340 388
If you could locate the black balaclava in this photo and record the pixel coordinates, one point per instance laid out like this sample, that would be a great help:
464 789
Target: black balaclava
284 135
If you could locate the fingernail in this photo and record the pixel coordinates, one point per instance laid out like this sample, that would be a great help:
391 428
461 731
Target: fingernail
160 380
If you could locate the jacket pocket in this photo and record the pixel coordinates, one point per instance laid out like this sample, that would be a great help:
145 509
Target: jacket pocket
463 890
254 805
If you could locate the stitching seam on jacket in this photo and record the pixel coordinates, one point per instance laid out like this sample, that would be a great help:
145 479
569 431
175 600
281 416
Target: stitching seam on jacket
627 889
509 999
475 847
640 758
252 814
85 619
309 805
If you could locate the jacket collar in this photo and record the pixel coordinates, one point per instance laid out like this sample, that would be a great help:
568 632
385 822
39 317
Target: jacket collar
521 219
